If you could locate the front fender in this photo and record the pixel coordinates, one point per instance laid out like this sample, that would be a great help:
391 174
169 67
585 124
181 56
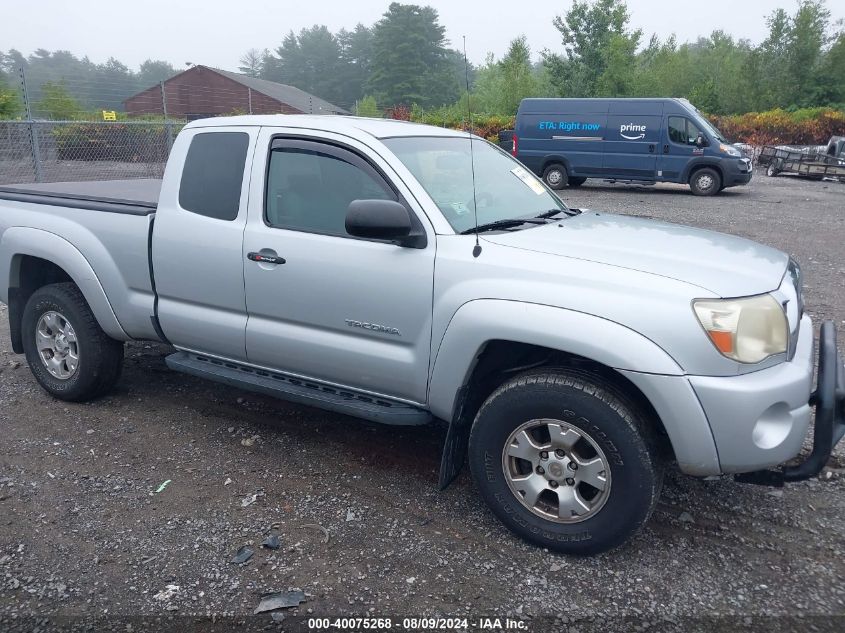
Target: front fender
643 362
477 322
701 161
18 241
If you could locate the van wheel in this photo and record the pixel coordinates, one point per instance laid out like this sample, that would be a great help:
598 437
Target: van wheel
556 177
67 351
565 461
577 182
705 182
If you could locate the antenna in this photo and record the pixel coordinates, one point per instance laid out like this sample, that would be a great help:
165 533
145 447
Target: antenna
476 250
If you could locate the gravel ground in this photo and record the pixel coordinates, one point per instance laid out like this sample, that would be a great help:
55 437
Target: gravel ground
85 538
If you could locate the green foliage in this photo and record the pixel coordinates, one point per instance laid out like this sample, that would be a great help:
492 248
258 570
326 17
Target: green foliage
598 43
810 126
310 61
10 104
830 82
153 72
410 61
367 107
518 79
797 65
805 126
405 60
486 125
56 103
94 87
126 143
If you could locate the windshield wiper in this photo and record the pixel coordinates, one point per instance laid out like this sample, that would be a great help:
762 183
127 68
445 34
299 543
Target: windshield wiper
502 224
553 212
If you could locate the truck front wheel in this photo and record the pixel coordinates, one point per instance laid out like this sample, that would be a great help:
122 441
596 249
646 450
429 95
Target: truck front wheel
565 461
67 351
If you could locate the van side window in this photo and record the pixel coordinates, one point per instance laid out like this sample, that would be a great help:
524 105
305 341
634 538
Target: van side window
213 174
308 190
682 130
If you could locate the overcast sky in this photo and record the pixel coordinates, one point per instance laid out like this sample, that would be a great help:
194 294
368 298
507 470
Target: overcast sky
216 33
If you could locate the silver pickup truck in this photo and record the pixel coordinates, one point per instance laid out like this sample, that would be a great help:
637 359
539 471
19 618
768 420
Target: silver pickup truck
407 274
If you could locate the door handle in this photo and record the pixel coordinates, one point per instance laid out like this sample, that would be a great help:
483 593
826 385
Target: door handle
651 148
665 149
262 258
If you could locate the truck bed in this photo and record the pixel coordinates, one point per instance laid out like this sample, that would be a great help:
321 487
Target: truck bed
132 197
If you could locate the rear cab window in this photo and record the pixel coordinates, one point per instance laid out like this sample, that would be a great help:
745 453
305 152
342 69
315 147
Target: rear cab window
213 174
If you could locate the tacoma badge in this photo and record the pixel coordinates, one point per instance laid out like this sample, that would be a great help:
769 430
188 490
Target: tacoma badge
373 326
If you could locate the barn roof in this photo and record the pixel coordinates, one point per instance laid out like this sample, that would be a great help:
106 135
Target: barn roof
291 95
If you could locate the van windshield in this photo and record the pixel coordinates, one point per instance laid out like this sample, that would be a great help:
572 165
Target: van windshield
701 120
504 188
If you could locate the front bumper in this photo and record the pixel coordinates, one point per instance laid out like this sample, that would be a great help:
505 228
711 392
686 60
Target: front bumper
829 402
739 173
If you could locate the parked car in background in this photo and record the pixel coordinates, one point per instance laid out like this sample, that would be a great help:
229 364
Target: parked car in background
567 141
358 265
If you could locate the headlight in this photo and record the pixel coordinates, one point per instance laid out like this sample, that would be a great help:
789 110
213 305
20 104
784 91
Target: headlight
730 150
746 330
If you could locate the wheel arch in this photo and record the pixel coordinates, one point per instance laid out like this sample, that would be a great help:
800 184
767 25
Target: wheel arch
556 159
473 361
32 258
694 167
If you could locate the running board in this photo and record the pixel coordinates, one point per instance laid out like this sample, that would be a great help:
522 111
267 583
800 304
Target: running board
644 183
308 392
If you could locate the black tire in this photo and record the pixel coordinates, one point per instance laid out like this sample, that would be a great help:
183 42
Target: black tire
577 182
100 358
594 407
774 168
705 182
556 176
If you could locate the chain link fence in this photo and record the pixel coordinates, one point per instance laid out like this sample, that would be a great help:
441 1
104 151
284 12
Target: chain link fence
52 151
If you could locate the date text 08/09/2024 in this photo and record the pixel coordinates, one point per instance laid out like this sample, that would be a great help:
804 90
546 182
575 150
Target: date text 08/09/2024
418 624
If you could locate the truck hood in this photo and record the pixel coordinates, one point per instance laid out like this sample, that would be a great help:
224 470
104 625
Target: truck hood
725 265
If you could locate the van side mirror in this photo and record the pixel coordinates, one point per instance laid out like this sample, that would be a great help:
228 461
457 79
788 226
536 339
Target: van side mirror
700 141
383 220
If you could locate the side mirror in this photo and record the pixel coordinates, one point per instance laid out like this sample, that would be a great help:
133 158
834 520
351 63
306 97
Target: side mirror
700 141
383 220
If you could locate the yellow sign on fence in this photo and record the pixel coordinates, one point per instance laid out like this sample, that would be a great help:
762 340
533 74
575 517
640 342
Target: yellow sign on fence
109 115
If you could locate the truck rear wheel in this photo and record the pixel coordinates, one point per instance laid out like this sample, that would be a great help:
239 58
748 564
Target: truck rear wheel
556 176
705 182
565 461
67 351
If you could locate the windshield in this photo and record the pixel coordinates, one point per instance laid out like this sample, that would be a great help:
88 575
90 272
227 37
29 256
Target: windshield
504 189
712 129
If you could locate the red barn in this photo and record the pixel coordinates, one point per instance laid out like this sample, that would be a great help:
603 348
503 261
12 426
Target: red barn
201 92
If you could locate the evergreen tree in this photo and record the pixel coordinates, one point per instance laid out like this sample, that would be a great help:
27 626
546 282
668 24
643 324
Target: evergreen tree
410 60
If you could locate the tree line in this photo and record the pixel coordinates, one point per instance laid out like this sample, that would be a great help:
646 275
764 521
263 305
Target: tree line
404 59
79 83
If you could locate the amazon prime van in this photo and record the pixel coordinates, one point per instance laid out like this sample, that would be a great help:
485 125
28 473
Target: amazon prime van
567 141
